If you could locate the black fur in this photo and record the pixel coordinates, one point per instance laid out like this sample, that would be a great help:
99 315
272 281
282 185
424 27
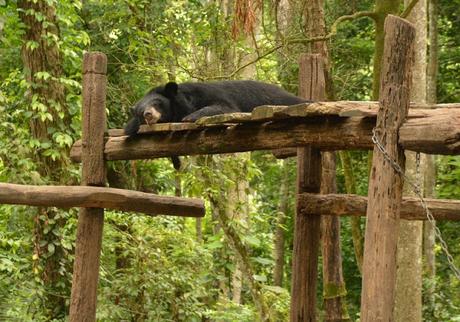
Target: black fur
188 102
191 101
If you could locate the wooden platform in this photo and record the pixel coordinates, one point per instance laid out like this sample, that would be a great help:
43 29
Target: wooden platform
339 125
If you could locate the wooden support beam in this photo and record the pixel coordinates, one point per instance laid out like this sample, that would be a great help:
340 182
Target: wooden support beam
354 205
385 184
307 228
90 220
427 131
100 197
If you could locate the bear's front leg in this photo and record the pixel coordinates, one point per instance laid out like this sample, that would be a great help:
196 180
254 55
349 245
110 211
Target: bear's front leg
209 111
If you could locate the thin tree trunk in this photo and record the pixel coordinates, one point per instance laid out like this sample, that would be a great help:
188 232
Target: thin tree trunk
242 256
233 212
45 57
350 187
430 170
382 9
408 302
280 229
333 283
334 290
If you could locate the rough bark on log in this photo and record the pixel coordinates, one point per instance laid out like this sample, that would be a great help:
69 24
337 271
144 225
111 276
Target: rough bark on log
100 197
306 241
385 186
90 220
354 205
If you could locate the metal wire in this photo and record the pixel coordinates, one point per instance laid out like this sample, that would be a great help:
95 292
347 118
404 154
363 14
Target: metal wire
418 192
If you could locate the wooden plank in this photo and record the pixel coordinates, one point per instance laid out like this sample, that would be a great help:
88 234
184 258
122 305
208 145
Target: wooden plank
307 228
385 186
100 197
354 205
269 113
90 220
339 108
167 127
266 112
225 118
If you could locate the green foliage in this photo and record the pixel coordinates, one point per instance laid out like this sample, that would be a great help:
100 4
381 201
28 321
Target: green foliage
152 270
157 269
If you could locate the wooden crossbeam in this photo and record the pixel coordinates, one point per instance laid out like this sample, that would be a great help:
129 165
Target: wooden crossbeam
100 197
354 205
428 131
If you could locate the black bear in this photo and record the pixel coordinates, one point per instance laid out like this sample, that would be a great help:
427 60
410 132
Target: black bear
188 102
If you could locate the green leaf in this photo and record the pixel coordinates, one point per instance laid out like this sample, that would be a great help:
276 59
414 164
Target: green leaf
264 261
51 248
214 245
251 240
275 289
260 278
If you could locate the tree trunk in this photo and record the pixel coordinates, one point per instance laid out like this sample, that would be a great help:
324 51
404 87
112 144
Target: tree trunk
350 188
243 259
382 9
333 283
408 303
280 229
234 213
40 53
334 290
430 169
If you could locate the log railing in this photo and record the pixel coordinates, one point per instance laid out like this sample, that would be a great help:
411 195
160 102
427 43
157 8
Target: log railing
100 197
354 205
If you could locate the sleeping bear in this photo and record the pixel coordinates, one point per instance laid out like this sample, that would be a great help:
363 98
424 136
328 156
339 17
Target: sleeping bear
188 102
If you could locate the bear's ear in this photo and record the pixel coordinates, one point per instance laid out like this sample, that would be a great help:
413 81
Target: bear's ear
171 89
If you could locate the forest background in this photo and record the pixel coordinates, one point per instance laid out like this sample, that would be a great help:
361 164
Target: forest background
175 269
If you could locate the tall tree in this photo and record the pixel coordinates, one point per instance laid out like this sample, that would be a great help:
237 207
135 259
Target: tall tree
382 9
408 301
280 229
333 283
430 170
42 62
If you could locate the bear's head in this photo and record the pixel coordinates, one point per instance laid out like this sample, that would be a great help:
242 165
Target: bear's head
156 106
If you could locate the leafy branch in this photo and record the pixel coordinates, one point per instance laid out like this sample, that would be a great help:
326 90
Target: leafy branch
287 42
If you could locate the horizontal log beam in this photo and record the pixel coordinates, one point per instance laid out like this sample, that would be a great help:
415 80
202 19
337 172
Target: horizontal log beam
428 131
100 197
354 205
240 138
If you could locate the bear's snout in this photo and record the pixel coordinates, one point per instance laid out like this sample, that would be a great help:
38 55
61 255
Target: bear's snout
151 115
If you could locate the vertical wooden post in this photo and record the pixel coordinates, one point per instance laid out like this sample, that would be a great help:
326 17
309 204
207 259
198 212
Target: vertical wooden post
307 227
90 220
385 186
